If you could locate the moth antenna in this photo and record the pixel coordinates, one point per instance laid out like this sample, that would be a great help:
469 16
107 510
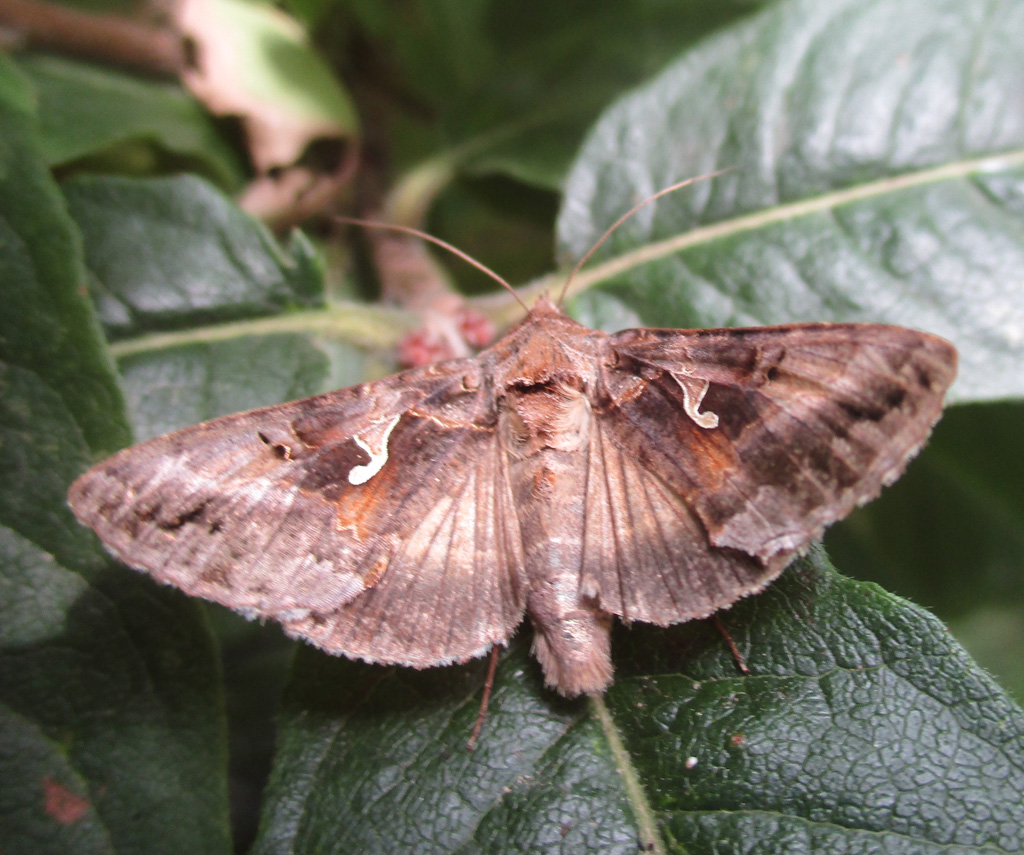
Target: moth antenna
409 230
612 228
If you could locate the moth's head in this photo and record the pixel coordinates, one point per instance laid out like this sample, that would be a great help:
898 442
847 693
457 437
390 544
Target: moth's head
547 353
545 306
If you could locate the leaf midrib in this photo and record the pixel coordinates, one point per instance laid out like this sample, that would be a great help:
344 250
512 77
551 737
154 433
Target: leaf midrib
650 839
790 211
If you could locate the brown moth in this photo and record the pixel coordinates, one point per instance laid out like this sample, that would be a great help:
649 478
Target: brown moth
564 474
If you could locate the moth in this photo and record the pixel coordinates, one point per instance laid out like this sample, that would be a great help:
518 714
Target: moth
564 474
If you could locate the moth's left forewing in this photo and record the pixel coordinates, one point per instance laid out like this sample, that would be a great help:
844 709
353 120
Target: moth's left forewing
794 425
367 520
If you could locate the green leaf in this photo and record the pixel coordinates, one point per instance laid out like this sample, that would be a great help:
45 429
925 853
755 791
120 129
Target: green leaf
112 727
90 112
110 683
135 231
994 634
41 326
112 686
186 385
218 280
862 727
877 157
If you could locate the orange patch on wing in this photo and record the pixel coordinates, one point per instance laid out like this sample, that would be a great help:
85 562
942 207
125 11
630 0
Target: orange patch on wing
715 457
359 513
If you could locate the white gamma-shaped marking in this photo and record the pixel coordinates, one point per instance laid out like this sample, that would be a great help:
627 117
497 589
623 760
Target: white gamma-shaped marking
692 404
378 456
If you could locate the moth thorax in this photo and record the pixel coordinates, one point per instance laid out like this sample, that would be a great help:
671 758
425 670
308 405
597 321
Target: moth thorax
550 416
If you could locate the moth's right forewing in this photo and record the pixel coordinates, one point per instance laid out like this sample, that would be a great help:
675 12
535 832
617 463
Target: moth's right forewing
809 421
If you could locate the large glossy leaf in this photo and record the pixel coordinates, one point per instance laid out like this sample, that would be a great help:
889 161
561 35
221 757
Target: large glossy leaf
173 254
876 152
112 728
134 231
862 727
42 274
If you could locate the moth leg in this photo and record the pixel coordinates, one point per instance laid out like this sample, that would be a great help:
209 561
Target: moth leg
492 666
736 655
